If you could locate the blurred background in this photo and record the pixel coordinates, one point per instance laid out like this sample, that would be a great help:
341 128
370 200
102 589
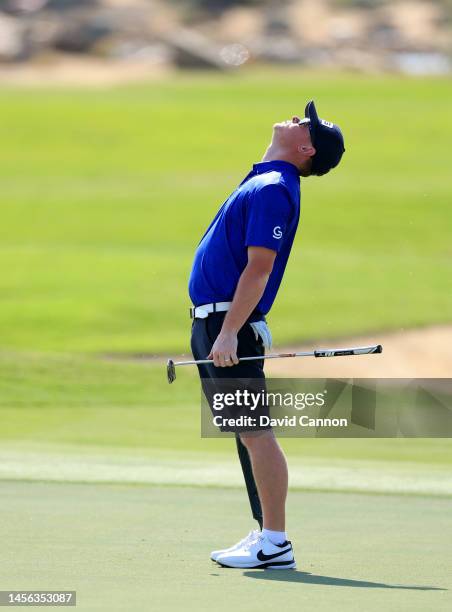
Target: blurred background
402 36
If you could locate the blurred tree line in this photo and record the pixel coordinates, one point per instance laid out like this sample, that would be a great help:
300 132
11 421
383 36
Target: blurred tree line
221 5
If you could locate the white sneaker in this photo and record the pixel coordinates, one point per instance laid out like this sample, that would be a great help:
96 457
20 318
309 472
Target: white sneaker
253 535
259 553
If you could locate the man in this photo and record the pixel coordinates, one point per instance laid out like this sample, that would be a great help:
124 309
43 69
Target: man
237 270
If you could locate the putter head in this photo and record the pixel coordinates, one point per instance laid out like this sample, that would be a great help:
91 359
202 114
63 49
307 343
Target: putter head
171 371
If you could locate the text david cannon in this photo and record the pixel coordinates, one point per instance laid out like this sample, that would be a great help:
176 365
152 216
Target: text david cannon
286 421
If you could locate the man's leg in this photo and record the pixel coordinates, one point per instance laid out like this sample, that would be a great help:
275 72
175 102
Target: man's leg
270 549
271 476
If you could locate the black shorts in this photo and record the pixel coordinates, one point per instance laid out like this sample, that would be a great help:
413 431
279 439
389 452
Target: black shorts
245 375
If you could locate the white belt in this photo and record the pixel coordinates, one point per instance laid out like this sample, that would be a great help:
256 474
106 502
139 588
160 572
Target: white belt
202 312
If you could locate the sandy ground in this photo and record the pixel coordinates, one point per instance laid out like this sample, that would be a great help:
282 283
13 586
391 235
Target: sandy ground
76 71
417 353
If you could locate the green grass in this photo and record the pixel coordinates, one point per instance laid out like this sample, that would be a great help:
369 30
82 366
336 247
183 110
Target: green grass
79 402
104 195
119 548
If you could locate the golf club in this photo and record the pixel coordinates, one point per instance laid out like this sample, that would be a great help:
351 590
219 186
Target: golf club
335 352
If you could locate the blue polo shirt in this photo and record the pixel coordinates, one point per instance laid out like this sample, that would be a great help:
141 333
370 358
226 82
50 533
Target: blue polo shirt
263 211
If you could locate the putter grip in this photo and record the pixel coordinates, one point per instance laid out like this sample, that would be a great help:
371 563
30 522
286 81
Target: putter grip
338 353
371 350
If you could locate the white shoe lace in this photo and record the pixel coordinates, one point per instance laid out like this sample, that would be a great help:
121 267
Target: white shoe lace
253 541
251 537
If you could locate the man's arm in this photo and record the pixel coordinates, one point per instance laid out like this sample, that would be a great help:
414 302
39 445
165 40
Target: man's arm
249 291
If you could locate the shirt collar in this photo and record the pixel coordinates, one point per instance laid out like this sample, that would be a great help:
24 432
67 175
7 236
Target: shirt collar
276 164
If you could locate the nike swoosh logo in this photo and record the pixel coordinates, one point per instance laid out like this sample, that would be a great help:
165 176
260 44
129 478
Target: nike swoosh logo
263 557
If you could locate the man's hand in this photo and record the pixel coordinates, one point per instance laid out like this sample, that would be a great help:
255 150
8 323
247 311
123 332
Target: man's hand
224 350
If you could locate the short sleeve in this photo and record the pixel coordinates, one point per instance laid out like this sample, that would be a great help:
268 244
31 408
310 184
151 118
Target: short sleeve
269 213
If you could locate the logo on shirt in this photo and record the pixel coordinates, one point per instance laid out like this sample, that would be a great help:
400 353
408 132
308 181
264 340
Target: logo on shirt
277 233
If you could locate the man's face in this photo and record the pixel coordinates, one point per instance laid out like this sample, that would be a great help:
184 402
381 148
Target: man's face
292 133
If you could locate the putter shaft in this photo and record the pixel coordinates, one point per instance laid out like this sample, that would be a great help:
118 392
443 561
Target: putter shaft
335 352
340 352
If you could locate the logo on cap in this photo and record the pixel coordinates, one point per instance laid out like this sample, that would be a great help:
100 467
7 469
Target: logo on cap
327 124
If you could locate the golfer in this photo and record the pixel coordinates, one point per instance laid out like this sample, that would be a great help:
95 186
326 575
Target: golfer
236 274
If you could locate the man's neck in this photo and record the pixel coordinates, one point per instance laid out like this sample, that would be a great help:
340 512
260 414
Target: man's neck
274 154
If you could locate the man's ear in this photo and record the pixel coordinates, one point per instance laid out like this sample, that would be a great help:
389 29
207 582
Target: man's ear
309 151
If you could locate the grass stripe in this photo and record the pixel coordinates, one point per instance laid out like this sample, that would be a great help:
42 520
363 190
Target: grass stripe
381 477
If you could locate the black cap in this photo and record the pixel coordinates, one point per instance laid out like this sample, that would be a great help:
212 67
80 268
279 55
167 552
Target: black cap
327 140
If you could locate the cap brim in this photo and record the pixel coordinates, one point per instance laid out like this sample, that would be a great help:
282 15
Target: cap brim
310 113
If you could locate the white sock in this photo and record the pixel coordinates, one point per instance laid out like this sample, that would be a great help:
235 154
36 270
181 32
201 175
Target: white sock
275 537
